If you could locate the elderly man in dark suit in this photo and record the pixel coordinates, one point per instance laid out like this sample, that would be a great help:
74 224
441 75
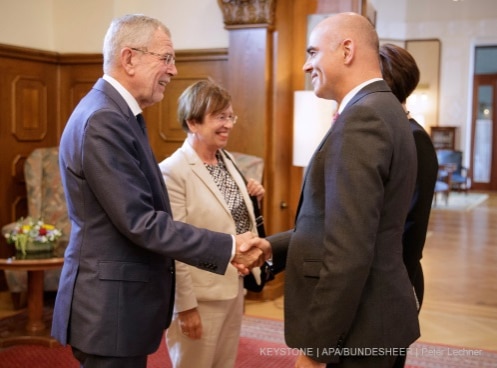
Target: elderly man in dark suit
116 292
348 298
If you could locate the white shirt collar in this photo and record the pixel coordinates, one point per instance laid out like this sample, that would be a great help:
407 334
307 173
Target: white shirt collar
353 92
128 97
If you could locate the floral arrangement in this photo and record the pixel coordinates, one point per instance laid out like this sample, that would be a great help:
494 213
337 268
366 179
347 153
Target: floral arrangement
32 231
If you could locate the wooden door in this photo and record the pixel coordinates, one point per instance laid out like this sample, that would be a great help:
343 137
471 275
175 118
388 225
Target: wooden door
484 133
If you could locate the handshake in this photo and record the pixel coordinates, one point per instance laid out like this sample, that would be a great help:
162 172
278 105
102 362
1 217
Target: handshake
251 251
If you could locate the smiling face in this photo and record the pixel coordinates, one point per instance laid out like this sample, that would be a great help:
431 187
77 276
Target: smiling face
324 62
343 53
212 133
151 74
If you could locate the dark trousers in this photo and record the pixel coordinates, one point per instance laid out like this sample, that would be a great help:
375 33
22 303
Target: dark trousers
97 361
400 362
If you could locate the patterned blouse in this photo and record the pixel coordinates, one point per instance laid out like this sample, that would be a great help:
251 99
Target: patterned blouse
231 194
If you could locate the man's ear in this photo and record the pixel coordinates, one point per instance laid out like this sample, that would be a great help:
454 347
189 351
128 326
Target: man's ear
127 60
348 48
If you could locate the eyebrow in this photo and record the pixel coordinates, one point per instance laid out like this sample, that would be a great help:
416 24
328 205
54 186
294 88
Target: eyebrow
310 48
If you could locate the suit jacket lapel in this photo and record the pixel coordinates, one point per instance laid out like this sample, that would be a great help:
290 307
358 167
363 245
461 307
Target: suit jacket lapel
106 88
198 168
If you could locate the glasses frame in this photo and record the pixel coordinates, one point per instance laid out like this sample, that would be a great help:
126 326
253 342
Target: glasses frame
168 59
223 119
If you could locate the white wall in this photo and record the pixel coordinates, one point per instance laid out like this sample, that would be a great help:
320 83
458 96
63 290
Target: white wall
79 26
458 39
28 23
460 26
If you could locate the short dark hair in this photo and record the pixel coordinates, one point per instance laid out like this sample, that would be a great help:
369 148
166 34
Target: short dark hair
399 70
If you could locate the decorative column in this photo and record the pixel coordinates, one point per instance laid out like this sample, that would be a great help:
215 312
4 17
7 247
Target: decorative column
248 12
252 82
250 74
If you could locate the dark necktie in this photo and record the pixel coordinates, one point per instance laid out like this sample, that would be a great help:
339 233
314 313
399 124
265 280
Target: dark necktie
141 123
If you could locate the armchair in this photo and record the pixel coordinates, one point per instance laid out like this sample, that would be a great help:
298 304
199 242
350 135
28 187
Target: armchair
443 183
452 159
46 200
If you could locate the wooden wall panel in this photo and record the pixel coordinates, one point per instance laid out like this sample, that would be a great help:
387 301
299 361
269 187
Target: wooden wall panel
19 202
28 116
29 113
78 74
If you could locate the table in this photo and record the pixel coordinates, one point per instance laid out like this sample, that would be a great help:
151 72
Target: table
35 331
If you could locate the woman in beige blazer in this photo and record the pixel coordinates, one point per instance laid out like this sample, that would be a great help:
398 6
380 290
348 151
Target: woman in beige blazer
206 190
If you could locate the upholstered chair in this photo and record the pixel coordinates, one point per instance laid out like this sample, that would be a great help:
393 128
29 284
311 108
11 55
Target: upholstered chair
251 166
459 174
46 201
443 184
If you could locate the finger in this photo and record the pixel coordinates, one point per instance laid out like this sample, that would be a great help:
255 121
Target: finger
192 335
242 269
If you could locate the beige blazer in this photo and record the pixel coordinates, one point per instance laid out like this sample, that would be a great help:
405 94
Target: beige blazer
196 200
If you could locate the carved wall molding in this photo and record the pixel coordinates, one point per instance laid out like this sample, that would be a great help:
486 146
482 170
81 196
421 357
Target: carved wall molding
29 115
248 13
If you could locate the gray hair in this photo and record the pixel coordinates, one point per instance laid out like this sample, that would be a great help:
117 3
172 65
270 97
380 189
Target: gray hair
132 30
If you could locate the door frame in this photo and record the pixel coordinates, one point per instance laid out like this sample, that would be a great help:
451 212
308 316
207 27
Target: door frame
485 80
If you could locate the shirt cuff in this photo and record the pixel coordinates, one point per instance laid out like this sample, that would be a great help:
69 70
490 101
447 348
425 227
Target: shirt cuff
233 248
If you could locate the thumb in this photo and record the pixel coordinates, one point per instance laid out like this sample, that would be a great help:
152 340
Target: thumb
246 246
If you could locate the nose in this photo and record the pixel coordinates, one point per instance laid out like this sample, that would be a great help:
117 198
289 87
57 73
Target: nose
229 124
307 67
172 70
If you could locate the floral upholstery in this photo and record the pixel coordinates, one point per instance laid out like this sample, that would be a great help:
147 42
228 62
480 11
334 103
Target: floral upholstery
44 189
45 201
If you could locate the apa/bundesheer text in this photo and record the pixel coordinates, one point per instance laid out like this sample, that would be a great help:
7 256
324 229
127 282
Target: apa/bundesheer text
417 351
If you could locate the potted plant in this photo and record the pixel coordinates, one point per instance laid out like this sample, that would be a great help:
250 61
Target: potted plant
33 236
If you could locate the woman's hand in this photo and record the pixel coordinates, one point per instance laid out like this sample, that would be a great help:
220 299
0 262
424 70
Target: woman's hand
255 188
190 323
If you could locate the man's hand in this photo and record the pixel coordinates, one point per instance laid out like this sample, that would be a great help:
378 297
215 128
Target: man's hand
260 243
251 252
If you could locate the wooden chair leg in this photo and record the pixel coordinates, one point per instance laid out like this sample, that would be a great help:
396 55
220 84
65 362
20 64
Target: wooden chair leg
19 299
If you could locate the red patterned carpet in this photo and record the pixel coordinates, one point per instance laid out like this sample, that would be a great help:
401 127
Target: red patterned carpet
420 354
261 345
27 356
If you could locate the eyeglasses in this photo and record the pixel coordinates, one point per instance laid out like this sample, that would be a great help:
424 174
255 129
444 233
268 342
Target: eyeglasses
168 59
223 119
